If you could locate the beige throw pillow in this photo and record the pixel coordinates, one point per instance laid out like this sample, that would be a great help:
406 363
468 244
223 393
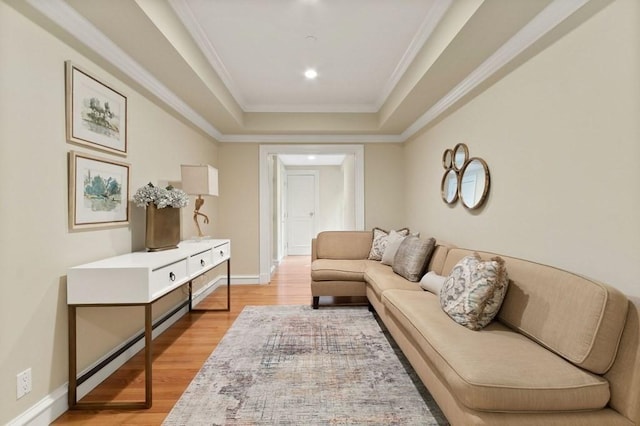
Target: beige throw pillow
394 239
432 282
412 257
380 242
474 291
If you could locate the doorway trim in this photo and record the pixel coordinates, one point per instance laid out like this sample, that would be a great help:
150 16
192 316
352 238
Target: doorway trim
266 191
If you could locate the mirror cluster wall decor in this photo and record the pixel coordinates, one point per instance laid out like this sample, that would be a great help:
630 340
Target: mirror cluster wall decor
465 178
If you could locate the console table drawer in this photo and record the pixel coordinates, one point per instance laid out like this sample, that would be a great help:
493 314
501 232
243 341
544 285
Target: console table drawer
168 276
200 262
221 253
142 277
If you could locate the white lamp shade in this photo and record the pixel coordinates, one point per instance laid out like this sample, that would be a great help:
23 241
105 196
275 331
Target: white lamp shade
199 180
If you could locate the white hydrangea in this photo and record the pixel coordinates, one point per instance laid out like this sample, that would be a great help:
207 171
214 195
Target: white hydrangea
161 197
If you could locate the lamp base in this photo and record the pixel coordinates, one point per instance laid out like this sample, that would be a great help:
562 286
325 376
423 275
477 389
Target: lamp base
196 213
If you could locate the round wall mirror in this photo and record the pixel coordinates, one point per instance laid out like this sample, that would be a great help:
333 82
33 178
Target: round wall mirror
473 185
449 186
460 156
447 159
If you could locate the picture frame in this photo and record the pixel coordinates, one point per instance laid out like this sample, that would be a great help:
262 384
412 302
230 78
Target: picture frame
98 192
96 114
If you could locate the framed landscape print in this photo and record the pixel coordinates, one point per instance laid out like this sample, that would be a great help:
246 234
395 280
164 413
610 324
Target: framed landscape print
96 114
98 192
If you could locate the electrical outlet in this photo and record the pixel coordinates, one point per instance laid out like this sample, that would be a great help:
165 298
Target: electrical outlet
23 383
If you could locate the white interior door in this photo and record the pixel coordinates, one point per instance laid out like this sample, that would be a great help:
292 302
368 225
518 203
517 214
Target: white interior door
302 205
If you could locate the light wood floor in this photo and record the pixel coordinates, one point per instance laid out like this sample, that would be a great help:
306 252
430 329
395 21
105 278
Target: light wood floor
179 352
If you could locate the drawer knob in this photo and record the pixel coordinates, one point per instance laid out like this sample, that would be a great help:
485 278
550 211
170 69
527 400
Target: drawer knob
201 262
221 253
172 276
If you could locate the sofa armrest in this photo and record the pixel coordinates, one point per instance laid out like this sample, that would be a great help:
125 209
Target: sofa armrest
314 253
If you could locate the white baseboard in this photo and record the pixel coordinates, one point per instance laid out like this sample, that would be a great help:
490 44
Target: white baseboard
91 383
45 411
55 404
52 406
245 279
207 289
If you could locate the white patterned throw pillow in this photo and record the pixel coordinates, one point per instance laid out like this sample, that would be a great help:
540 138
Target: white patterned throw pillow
380 242
474 291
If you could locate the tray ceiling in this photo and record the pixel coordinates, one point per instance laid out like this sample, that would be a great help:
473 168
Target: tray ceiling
235 68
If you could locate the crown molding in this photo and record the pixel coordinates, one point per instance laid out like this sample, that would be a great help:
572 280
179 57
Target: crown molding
431 21
337 108
186 15
556 12
75 24
305 138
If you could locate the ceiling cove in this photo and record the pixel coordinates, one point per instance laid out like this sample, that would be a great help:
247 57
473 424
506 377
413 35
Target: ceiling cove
448 52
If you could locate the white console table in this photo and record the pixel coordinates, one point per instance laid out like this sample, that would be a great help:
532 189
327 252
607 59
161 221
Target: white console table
138 279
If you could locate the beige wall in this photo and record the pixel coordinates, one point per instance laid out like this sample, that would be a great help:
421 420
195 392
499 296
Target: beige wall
331 199
561 136
384 183
239 205
349 184
37 247
239 198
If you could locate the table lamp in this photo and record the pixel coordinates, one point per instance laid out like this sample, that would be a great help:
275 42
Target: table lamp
199 180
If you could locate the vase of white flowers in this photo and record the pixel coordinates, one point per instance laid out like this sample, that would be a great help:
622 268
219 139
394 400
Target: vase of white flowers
163 215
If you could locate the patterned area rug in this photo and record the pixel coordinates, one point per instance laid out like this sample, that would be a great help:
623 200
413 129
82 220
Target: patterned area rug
291 365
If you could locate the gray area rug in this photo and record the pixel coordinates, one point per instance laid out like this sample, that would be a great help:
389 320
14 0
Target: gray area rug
291 365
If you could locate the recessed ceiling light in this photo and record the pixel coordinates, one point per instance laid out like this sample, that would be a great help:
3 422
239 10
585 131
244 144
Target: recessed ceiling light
311 74
311 157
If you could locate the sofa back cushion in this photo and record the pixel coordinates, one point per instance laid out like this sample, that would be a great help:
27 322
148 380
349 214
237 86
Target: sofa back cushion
348 245
577 318
439 256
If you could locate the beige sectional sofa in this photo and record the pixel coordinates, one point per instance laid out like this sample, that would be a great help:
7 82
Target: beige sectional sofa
563 349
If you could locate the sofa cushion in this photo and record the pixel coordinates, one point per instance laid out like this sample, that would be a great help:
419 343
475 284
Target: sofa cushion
381 278
496 368
439 256
349 245
338 270
412 257
379 243
541 297
474 291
